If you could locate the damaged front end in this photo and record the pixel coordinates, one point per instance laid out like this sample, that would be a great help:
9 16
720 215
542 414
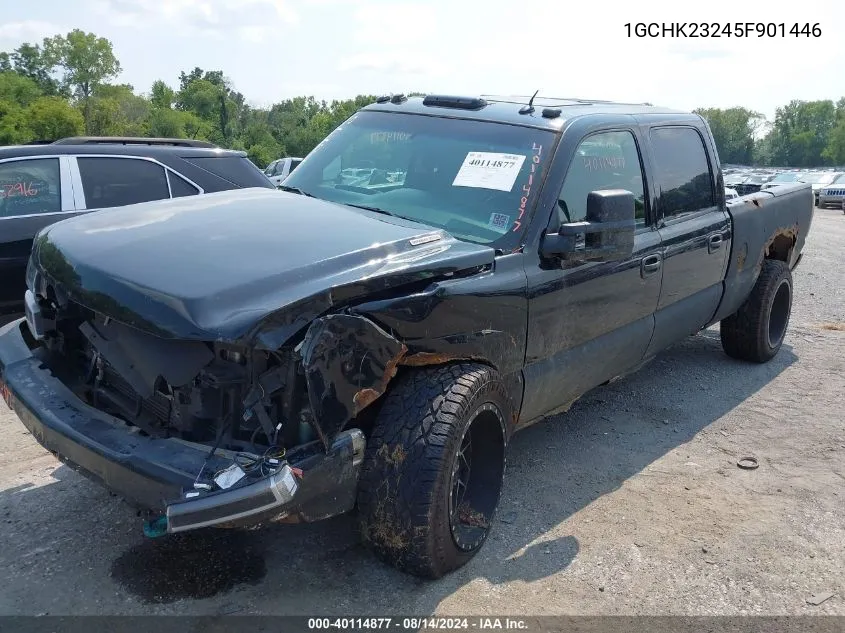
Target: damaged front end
262 435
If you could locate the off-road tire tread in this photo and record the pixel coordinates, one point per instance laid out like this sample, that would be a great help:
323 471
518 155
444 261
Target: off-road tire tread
744 334
403 473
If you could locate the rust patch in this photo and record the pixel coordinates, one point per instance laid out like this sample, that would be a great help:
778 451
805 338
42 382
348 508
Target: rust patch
393 364
789 233
421 359
740 260
364 398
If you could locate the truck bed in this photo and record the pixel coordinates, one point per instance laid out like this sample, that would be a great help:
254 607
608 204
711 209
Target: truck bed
768 224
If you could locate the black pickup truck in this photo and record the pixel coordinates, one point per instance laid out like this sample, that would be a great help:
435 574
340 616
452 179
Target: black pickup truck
373 342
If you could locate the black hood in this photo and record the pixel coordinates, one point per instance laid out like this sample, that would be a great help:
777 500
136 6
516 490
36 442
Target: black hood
237 264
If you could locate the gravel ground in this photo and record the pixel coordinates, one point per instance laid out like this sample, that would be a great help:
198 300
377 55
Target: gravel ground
631 503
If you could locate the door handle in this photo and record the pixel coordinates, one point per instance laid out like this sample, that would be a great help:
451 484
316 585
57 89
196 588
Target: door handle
650 265
714 243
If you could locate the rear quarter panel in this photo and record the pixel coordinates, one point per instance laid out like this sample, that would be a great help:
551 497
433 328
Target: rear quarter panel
773 223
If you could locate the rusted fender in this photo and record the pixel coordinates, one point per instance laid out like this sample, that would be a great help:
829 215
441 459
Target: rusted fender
348 361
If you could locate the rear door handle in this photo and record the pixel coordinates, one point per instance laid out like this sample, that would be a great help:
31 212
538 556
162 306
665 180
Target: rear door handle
714 243
650 265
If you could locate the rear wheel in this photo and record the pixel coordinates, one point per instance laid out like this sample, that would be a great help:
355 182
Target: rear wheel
755 332
433 470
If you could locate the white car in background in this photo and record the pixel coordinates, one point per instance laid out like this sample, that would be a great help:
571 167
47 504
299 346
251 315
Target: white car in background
819 180
730 194
280 169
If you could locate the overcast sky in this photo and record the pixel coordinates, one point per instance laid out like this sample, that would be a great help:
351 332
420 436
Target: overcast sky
275 49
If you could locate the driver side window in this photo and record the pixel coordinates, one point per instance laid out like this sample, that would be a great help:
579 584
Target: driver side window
607 160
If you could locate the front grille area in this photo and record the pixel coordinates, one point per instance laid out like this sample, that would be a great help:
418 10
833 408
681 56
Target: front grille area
158 406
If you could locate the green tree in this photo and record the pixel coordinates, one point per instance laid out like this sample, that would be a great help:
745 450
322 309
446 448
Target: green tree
14 126
162 95
733 131
800 133
115 110
167 123
31 61
87 61
210 95
835 150
18 89
52 118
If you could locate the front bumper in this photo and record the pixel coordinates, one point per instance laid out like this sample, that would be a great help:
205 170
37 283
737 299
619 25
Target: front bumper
826 200
159 474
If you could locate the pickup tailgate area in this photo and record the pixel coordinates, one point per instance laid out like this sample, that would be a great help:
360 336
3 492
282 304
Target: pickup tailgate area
773 223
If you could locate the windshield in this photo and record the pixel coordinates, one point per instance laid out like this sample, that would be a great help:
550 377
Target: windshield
475 179
839 180
786 177
816 178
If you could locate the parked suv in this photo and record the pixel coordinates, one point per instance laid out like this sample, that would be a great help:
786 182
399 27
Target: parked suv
42 184
832 195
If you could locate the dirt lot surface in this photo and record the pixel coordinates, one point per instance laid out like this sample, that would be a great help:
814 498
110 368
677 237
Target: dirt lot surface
632 503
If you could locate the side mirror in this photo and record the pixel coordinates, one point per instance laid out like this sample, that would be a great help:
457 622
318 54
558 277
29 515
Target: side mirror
607 234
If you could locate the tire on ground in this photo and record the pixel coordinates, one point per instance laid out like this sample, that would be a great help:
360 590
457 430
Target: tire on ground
407 489
755 332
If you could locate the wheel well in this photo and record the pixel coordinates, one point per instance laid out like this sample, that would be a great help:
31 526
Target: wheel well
780 247
367 416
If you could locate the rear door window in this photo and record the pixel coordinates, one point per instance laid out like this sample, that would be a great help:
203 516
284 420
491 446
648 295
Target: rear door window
115 182
683 171
30 187
179 187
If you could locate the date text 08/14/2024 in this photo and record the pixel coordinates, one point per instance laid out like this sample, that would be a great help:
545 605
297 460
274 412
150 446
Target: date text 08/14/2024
418 623
719 29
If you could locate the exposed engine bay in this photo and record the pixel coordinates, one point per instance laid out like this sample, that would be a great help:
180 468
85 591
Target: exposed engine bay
227 397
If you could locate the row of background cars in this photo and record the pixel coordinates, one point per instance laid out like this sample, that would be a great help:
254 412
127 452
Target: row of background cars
44 183
828 184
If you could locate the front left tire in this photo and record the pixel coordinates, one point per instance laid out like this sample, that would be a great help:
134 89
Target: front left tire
433 468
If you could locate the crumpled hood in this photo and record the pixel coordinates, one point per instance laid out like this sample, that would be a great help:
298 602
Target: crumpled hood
216 266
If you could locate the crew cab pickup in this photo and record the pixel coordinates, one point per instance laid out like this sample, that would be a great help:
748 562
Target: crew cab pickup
255 356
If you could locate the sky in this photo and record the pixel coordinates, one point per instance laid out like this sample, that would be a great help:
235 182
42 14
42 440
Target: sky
335 49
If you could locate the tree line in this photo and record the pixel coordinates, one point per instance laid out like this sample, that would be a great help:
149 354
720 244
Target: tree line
63 87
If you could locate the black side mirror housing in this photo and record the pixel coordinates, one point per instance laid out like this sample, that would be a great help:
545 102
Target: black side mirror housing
608 232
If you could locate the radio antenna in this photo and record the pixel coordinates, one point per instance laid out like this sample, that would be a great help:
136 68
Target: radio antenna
528 109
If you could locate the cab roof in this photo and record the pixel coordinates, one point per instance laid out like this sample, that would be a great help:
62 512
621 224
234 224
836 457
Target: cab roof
547 113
